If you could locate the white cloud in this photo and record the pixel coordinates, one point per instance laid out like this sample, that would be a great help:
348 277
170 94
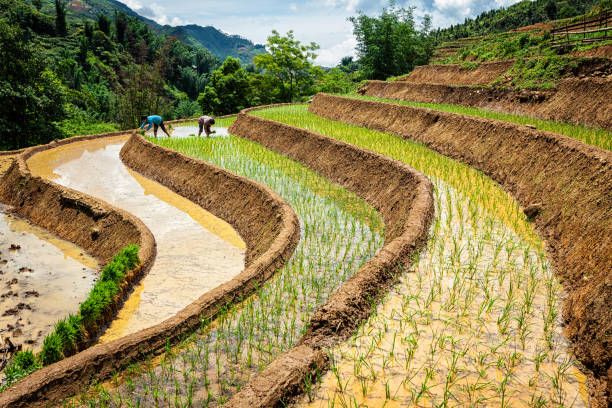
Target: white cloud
293 7
155 12
330 57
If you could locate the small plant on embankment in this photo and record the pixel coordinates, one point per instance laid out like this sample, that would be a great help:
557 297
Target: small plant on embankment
74 330
340 232
479 321
601 138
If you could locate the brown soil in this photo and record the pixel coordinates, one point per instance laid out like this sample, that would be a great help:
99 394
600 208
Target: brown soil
581 101
485 73
266 215
404 198
603 51
532 27
571 180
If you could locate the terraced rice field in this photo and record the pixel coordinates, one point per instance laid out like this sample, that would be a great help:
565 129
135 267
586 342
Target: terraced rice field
477 324
339 232
195 250
474 321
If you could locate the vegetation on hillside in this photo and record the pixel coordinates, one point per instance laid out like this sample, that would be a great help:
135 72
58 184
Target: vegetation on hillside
60 77
521 14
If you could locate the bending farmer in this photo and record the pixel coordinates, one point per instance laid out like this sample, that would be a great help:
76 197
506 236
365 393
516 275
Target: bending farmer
205 123
155 121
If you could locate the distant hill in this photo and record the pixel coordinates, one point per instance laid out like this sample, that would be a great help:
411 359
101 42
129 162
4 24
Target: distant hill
216 41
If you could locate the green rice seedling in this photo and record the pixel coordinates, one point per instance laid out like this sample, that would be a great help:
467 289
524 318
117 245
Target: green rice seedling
52 349
22 364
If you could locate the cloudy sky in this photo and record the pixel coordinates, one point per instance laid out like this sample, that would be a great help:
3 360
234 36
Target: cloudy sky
322 21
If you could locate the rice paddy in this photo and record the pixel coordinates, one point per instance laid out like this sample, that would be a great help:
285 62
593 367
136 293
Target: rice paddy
599 137
478 323
339 232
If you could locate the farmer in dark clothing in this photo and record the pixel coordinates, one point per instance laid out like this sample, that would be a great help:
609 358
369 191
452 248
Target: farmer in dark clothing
155 121
205 123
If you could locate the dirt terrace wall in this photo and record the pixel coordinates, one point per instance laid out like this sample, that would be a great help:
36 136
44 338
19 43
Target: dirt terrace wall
485 73
404 198
580 101
273 219
572 180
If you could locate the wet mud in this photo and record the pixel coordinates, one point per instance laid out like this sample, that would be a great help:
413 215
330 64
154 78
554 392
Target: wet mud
195 250
42 279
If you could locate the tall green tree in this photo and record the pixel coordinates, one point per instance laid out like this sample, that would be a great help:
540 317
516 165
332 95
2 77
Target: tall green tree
289 62
37 4
389 44
121 24
228 90
31 96
60 17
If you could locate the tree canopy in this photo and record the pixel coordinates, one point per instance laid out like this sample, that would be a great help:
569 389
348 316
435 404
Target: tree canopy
289 62
390 44
228 89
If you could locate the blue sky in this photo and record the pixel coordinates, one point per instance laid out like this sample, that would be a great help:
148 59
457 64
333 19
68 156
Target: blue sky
322 21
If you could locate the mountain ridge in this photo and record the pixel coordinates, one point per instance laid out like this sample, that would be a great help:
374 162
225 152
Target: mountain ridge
219 43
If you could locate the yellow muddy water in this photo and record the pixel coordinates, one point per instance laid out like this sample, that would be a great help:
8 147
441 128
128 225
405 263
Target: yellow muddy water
196 251
42 279
477 325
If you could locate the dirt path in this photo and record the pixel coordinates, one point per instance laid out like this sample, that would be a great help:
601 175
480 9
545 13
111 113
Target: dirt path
195 250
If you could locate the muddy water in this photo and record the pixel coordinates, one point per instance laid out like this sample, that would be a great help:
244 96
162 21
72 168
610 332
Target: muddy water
42 279
195 250
477 325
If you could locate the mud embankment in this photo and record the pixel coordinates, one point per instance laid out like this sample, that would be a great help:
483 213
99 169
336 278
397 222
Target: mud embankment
266 215
484 73
580 101
404 198
572 182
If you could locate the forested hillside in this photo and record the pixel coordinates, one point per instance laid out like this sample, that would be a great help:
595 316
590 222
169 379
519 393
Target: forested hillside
60 77
217 42
523 13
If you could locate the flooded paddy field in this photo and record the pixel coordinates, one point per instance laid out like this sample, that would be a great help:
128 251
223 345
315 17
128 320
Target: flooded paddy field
195 250
42 279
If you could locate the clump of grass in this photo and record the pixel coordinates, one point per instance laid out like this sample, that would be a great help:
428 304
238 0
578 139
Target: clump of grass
101 298
601 138
22 364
